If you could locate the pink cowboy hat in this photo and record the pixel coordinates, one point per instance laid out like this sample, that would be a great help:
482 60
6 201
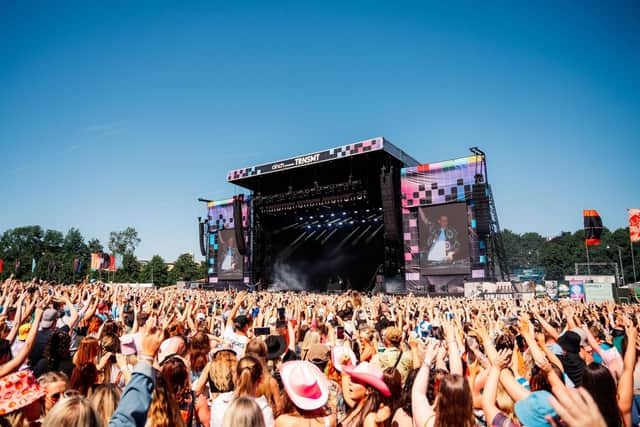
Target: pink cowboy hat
305 385
368 374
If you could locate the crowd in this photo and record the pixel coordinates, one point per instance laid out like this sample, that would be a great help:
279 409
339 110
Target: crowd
105 355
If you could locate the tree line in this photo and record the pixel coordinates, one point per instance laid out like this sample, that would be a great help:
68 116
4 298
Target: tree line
558 255
57 255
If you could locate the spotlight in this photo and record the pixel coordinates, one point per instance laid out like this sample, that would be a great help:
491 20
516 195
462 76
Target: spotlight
321 216
310 217
332 214
301 219
344 213
319 225
355 212
350 222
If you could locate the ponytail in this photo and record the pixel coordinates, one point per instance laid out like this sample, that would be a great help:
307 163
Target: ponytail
248 373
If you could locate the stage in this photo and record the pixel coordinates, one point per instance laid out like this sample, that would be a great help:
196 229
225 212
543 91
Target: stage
365 216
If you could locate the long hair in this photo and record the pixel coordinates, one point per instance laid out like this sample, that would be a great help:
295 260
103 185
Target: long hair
105 399
539 381
83 377
454 403
108 343
599 382
176 374
72 412
88 350
221 371
248 373
257 348
405 396
198 353
163 411
373 399
243 412
57 349
393 380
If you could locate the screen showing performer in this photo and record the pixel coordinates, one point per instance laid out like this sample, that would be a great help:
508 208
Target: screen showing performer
229 259
444 240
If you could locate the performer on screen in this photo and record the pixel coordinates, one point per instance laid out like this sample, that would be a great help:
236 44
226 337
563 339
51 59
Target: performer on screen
229 260
443 242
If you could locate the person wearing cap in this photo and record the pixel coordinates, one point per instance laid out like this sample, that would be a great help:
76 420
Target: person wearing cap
319 355
237 328
48 325
393 356
307 388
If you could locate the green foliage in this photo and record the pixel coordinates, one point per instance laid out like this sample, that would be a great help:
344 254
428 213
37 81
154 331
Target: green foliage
155 271
185 268
124 241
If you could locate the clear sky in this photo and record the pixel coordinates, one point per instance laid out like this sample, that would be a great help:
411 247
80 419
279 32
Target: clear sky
116 114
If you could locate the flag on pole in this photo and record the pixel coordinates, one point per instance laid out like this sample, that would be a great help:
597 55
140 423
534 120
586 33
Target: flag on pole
79 267
119 262
95 261
634 224
17 265
1 264
76 263
112 263
592 227
33 265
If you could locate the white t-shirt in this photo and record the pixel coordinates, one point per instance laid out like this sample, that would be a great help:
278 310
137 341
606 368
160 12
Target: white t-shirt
238 342
222 402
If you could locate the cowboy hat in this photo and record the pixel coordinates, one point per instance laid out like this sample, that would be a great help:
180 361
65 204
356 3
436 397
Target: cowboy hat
369 374
305 385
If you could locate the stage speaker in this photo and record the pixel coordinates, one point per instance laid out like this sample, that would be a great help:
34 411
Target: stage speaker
237 224
203 249
481 209
389 205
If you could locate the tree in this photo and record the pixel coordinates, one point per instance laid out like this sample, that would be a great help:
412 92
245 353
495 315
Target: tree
155 271
130 271
124 241
185 268
22 244
95 246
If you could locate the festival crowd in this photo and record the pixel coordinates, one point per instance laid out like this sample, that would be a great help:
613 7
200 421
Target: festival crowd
107 355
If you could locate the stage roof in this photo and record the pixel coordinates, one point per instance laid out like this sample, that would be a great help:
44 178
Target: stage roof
354 149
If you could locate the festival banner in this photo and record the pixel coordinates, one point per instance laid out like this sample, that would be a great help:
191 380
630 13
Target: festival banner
576 290
563 289
552 288
112 263
119 261
592 227
634 224
76 264
33 265
598 292
95 261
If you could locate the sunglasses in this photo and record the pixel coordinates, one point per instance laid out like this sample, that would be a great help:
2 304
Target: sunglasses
65 394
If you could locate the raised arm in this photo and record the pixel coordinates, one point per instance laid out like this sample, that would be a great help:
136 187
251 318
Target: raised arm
498 362
18 360
422 410
625 384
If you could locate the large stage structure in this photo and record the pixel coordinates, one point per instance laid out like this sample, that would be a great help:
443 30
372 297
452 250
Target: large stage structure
364 216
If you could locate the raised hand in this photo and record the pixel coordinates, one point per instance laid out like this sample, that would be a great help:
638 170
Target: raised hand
577 408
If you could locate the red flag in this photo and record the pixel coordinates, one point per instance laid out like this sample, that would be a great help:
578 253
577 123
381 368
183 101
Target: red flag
634 225
112 263
1 263
592 227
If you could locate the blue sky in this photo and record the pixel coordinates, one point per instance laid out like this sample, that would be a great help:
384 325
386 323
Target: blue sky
124 113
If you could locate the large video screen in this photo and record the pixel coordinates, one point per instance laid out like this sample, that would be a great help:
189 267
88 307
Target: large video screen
229 259
444 239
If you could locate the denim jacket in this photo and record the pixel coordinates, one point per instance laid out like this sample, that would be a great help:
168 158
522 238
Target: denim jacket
136 399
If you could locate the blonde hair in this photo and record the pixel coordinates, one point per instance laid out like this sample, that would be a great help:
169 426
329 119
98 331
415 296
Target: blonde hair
75 411
16 419
243 412
221 371
105 400
504 401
